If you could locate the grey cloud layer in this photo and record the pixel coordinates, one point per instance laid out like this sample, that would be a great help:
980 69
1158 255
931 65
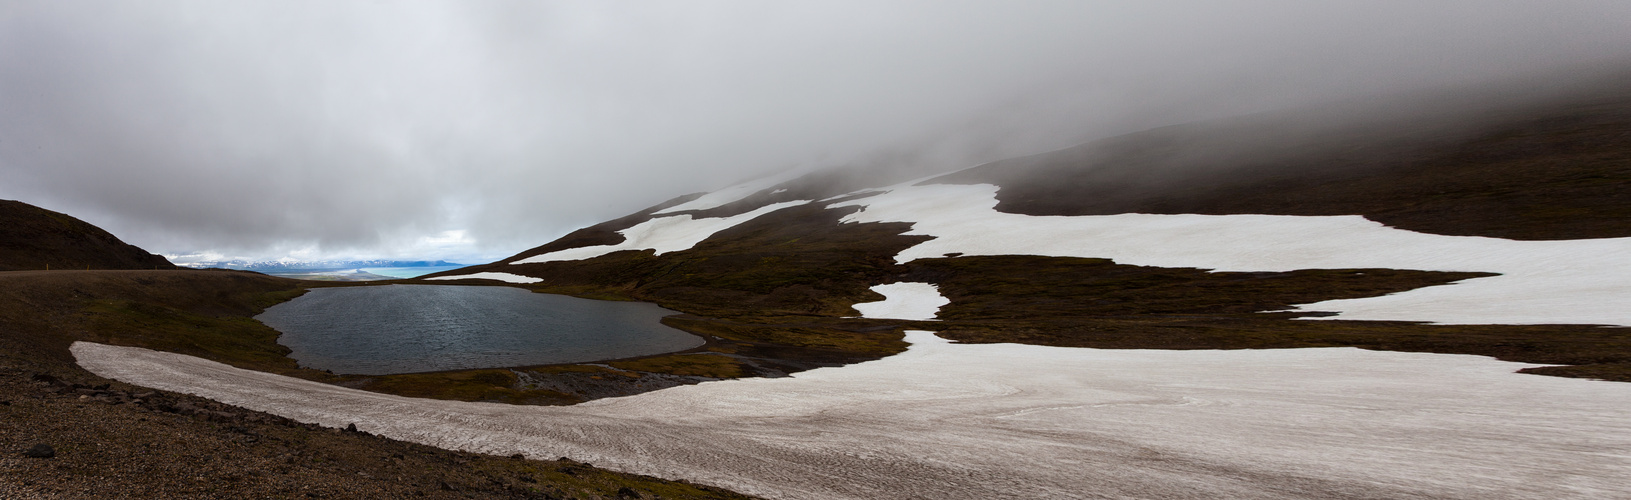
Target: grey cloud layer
361 129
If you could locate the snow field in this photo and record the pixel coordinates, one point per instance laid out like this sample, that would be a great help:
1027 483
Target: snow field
505 277
946 420
912 301
1541 282
736 192
663 234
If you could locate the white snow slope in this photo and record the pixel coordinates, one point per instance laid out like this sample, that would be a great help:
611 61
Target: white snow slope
663 234
1541 282
945 420
735 193
505 277
913 301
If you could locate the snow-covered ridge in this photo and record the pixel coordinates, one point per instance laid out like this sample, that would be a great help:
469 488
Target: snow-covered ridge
904 300
734 193
505 277
1541 282
663 234
946 420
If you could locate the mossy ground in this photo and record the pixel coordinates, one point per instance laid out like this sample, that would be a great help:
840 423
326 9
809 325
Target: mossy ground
692 365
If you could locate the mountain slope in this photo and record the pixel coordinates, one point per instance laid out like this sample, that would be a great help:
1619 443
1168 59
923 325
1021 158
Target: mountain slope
1551 170
1558 171
33 238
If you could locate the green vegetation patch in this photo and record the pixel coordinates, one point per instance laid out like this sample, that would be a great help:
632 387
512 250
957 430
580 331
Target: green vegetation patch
835 334
695 365
1013 286
493 385
234 340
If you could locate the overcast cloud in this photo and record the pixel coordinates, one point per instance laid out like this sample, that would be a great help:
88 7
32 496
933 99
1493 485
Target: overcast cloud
473 130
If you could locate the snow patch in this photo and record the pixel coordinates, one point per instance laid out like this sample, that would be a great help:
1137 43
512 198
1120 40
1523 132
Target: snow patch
1541 282
735 193
664 234
505 277
904 300
947 420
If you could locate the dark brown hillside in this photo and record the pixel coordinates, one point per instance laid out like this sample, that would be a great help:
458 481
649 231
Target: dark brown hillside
1559 169
33 238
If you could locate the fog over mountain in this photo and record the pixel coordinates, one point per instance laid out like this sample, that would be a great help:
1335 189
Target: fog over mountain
468 131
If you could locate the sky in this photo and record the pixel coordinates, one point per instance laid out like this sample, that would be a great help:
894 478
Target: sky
472 130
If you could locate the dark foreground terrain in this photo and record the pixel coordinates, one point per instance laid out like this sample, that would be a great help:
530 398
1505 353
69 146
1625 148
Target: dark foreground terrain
111 440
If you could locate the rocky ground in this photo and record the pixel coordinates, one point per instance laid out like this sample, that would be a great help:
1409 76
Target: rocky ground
70 439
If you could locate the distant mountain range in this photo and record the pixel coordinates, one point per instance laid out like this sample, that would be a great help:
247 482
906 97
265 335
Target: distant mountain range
274 265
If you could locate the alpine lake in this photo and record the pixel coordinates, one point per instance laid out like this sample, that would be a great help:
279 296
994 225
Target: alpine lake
381 330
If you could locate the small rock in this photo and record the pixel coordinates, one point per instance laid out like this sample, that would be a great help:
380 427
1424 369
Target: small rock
351 427
41 450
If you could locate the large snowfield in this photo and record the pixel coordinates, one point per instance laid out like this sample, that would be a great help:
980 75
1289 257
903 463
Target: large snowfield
944 420
1541 282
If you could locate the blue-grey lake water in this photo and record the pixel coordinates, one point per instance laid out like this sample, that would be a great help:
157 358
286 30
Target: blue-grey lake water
378 330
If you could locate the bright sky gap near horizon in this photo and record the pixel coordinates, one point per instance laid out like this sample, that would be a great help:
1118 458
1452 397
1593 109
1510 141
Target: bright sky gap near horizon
469 131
